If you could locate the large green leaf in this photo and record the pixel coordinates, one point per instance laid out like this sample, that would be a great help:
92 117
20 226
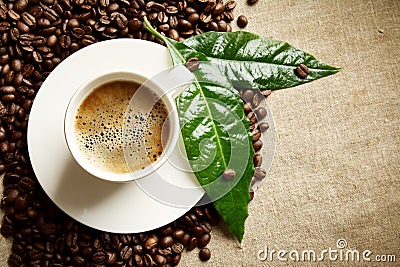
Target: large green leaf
252 61
216 135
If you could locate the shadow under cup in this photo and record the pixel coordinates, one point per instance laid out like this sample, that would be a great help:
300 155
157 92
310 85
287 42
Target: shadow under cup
127 133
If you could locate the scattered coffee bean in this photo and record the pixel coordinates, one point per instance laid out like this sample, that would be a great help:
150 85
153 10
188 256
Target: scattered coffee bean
229 174
263 126
259 173
242 21
248 95
257 145
260 112
302 71
204 254
252 2
192 64
257 159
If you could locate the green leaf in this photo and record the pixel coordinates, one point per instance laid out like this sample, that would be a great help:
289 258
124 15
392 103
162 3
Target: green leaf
251 61
216 135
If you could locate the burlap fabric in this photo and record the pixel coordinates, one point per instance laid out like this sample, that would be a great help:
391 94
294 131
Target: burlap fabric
336 170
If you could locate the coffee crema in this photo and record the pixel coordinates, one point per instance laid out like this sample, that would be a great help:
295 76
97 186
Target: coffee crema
108 143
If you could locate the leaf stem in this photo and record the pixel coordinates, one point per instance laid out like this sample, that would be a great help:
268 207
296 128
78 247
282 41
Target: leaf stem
165 39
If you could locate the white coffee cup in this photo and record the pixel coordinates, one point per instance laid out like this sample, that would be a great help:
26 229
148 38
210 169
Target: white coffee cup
160 90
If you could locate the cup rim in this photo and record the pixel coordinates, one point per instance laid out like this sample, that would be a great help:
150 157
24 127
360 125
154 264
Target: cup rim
80 95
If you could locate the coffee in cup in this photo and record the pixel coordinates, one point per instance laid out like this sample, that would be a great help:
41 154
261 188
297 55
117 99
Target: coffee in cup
118 127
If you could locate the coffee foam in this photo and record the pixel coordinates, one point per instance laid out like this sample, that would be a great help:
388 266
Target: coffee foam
103 138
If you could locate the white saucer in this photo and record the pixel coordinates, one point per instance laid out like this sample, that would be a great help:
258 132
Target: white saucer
132 207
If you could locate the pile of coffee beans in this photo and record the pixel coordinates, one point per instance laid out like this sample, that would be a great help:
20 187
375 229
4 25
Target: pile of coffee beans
35 36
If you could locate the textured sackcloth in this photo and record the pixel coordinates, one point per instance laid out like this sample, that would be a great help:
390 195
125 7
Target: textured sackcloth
336 170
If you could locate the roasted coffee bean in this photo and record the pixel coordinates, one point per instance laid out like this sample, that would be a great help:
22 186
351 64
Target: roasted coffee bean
14 34
197 231
184 25
126 252
49 228
259 173
219 8
148 260
12 196
137 249
7 89
159 260
252 2
263 126
138 260
20 6
8 98
261 113
229 174
203 240
257 159
3 11
4 26
22 27
99 257
257 99
192 64
247 107
230 5
177 234
171 10
28 19
192 243
175 259
252 117
14 260
166 241
302 71
150 243
185 239
165 251
266 93
13 15
257 145
177 248
21 203
111 257
187 221
242 21
205 18
248 95
4 147
26 184
204 254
